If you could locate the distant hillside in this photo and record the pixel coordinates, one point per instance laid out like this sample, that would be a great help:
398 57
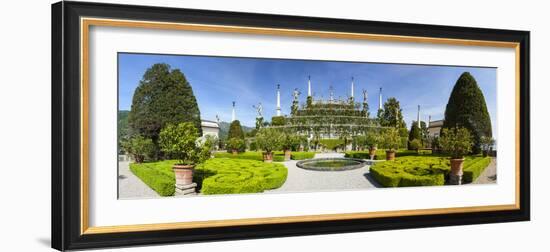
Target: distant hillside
224 129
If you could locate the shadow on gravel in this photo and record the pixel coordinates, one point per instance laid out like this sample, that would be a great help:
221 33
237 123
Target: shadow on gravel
372 180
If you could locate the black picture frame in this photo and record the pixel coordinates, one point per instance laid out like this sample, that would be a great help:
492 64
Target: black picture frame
66 125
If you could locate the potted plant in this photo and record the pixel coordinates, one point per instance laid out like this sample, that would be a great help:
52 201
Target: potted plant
371 141
269 140
415 144
486 145
390 141
235 145
457 142
182 142
289 142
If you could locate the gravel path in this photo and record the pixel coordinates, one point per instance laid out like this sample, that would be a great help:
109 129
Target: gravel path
489 175
301 180
130 186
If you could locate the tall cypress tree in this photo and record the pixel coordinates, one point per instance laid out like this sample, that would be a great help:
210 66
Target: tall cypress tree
235 130
467 108
163 96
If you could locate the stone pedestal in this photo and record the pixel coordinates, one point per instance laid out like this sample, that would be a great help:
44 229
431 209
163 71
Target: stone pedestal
188 189
455 179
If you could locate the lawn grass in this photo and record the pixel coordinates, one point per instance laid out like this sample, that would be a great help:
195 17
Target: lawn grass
215 176
424 170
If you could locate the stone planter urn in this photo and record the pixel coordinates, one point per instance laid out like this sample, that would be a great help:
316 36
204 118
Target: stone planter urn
455 177
268 157
372 152
287 155
390 155
184 179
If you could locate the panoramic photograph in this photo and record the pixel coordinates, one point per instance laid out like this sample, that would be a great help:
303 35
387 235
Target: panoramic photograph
206 125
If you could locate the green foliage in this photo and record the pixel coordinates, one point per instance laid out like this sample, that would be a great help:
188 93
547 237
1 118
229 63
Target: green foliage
372 139
230 176
290 141
235 144
467 108
269 139
423 170
158 176
123 132
457 142
309 101
391 115
332 144
415 144
259 122
277 120
140 148
415 132
235 130
296 155
390 139
162 97
180 141
486 143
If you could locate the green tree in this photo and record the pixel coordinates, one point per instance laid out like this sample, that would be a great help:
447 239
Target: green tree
237 144
162 97
414 134
278 120
269 139
391 115
139 147
390 139
181 141
457 141
467 108
415 144
235 130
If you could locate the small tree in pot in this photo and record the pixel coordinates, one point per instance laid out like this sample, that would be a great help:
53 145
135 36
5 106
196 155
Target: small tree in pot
288 143
182 142
457 142
269 140
235 145
390 141
372 139
415 144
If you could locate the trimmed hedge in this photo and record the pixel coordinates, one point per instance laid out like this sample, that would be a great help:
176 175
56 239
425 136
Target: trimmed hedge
278 156
158 176
381 154
302 155
423 170
474 169
230 176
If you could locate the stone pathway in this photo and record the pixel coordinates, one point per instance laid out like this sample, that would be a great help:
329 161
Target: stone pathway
489 175
130 186
301 180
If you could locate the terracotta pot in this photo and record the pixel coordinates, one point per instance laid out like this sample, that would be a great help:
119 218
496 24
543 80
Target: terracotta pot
268 157
390 155
287 155
456 166
183 173
234 152
455 178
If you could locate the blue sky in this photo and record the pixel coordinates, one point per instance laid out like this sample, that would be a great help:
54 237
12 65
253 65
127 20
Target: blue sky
217 81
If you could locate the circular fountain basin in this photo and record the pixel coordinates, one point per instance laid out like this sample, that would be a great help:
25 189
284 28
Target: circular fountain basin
331 164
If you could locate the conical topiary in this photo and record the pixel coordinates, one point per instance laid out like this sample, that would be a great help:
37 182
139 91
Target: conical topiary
467 108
